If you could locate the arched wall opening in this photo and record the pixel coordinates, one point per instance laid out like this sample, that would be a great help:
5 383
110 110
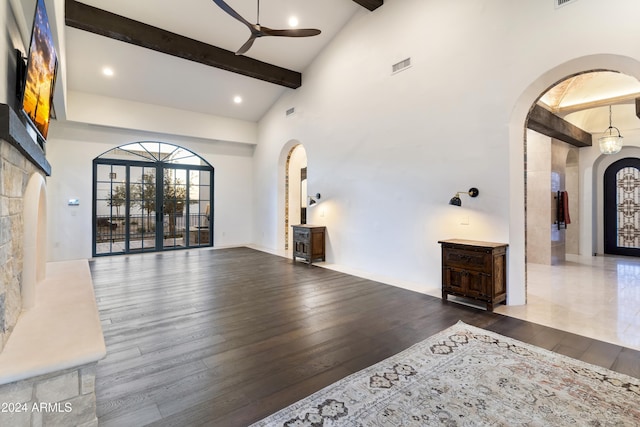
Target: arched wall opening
293 158
517 162
35 240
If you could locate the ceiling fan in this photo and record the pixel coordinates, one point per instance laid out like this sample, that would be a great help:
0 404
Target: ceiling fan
258 30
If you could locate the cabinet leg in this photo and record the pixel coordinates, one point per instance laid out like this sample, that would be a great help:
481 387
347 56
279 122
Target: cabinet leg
489 306
444 296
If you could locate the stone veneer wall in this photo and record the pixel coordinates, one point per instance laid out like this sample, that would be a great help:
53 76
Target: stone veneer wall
15 171
63 398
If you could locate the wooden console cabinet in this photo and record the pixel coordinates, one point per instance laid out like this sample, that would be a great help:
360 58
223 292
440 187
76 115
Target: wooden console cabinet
309 242
476 270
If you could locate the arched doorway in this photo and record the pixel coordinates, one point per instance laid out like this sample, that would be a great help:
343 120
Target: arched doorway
151 196
585 101
295 191
549 77
622 207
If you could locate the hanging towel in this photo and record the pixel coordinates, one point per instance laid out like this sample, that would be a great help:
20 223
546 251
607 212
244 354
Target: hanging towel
565 208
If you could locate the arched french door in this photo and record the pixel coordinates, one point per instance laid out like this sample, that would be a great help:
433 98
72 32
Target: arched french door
622 207
151 196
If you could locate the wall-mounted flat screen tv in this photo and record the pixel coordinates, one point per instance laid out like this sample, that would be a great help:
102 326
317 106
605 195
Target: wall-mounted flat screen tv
42 66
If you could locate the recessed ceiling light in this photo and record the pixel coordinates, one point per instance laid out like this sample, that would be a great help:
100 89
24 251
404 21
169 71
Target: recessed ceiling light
237 99
293 21
107 71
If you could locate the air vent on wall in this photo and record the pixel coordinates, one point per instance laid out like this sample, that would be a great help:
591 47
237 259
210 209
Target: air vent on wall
402 65
560 3
290 111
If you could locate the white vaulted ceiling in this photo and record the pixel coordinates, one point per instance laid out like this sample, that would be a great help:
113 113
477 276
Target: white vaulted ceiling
151 77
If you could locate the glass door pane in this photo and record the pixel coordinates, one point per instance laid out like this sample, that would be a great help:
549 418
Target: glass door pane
109 209
199 208
142 209
628 207
175 221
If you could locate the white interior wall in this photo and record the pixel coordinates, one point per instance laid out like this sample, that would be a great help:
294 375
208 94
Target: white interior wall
389 151
71 149
121 113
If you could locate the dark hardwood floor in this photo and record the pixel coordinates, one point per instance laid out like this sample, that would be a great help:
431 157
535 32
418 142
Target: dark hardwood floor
227 337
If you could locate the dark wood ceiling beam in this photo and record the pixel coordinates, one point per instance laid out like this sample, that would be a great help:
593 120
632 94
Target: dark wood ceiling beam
545 122
370 4
98 21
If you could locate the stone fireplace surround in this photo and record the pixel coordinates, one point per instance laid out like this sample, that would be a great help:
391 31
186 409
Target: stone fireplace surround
50 333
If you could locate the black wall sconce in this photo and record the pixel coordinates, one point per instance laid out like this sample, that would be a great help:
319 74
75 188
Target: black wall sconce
313 200
456 201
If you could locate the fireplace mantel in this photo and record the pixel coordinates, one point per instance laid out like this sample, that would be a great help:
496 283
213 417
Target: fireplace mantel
13 130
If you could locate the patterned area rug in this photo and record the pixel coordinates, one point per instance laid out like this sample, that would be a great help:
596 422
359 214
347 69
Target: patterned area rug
466 376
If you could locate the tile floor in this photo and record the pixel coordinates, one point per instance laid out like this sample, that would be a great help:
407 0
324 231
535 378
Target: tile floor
597 297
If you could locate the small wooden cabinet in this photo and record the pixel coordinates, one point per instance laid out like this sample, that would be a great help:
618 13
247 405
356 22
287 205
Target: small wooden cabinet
476 270
309 242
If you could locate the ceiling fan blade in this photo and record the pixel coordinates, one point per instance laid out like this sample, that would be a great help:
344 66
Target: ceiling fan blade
222 5
258 31
302 32
247 45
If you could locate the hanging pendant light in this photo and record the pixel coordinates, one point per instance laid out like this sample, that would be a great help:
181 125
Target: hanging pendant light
609 142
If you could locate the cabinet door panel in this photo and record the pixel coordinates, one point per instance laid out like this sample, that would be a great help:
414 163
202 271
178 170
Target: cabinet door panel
455 280
478 285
